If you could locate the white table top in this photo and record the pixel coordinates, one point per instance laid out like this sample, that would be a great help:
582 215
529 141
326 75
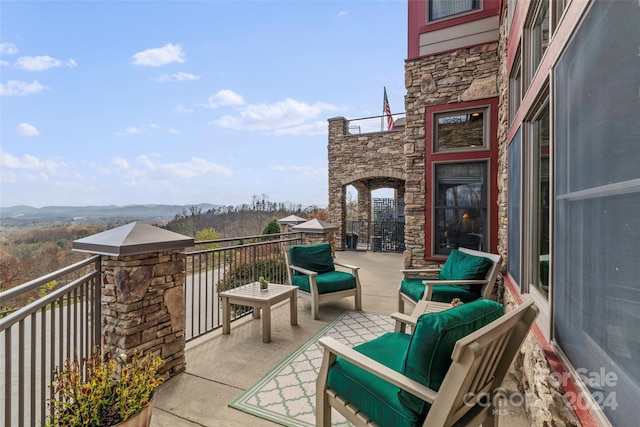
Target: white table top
252 291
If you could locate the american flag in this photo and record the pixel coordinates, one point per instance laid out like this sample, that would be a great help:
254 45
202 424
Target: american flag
386 111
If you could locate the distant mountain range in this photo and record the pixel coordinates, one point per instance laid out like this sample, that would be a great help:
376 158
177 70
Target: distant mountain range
141 211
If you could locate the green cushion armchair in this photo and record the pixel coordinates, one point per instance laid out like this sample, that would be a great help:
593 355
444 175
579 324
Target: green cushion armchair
438 376
313 269
467 274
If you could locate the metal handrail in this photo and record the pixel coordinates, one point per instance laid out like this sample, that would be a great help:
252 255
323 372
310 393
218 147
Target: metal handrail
36 283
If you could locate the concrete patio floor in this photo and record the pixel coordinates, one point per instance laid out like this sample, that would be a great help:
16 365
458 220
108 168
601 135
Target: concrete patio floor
220 367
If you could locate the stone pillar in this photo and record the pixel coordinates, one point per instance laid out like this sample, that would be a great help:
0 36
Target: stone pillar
338 131
143 307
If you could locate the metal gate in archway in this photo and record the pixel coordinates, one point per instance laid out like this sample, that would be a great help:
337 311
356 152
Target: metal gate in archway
384 234
387 233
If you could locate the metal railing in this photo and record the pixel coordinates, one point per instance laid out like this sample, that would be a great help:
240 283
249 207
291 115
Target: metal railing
374 124
65 324
221 264
40 336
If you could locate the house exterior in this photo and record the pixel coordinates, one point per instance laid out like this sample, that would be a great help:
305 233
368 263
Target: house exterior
523 130
522 137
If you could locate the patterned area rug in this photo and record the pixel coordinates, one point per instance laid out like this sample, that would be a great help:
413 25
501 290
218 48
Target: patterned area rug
286 395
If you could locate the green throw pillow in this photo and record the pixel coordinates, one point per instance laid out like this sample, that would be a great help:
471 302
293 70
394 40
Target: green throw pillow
312 257
462 266
428 356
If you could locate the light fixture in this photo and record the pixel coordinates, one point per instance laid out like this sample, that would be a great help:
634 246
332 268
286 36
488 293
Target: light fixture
475 114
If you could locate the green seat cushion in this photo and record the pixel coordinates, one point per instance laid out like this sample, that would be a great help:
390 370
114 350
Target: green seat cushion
414 288
428 356
331 281
376 398
462 266
312 257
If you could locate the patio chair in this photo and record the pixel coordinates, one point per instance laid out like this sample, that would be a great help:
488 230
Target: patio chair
313 269
467 274
447 373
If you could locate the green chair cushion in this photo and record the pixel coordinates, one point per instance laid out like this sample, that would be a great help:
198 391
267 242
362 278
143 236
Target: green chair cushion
376 398
428 356
414 288
312 257
331 281
462 266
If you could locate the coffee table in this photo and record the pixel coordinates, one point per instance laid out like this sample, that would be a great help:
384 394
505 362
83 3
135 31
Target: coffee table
251 295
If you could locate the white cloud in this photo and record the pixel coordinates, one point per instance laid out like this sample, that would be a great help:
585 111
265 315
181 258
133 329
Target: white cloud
315 128
132 130
158 56
8 48
177 77
224 97
25 129
20 88
173 131
343 13
41 63
120 163
28 162
185 170
4 63
302 170
181 109
283 115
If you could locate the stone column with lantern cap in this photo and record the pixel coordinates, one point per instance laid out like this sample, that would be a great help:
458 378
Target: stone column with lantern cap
143 306
316 231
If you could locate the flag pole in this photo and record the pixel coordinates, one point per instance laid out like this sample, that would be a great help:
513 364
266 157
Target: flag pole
383 105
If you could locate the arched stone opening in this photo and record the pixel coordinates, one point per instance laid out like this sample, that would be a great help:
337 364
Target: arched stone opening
367 162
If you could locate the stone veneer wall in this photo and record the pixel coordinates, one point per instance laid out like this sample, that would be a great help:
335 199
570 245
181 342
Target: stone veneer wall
457 76
367 161
545 401
143 306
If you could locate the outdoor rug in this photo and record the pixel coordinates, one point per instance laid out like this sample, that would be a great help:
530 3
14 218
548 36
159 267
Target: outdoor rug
286 395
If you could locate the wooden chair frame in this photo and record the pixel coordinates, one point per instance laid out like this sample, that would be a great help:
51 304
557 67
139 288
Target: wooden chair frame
487 284
315 296
470 388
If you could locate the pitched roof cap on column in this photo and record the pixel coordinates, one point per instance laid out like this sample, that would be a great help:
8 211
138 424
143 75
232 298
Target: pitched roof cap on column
132 239
315 226
292 220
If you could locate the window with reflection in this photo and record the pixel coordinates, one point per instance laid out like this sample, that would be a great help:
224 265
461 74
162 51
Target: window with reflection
541 200
460 130
439 9
460 212
538 35
515 87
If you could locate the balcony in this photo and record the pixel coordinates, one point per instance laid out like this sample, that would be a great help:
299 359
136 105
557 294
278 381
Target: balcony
221 367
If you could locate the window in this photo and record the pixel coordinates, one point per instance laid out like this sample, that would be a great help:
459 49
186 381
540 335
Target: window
515 87
460 209
557 9
538 205
439 9
460 130
461 169
514 211
537 36
597 199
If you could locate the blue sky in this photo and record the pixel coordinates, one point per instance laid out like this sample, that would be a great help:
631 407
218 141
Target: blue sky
185 102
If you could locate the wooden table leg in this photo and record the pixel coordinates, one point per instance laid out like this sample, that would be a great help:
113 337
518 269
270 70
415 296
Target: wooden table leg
226 316
293 306
266 323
